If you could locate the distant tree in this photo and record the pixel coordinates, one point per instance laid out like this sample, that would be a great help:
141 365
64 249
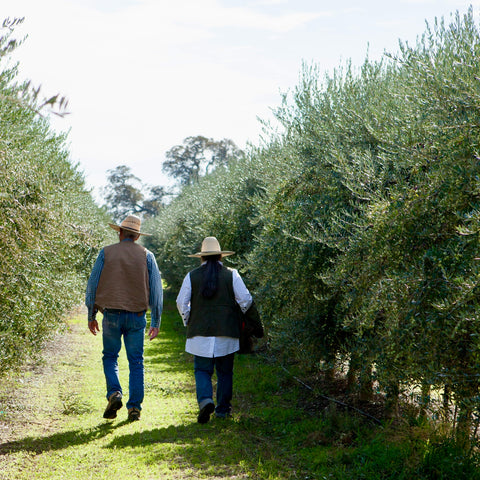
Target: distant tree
199 156
125 194
184 161
222 152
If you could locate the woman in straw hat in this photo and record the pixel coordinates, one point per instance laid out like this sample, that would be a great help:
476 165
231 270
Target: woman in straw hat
207 302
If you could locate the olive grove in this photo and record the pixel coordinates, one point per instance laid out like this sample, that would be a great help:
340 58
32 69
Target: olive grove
356 225
49 223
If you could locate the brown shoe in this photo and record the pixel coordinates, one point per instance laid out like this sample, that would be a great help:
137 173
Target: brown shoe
114 404
133 414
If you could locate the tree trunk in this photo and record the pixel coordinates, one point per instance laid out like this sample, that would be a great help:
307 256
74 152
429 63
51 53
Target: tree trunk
330 374
351 377
366 384
464 426
446 403
424 400
330 367
391 400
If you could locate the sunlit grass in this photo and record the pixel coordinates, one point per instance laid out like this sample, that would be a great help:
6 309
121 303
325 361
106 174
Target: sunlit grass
52 425
63 434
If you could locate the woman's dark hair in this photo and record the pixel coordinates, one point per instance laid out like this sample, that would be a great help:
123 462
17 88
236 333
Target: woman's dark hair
210 275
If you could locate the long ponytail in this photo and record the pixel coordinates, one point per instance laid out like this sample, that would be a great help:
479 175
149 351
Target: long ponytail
210 275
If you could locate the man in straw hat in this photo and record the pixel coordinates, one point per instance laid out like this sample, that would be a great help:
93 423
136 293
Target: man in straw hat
124 283
207 302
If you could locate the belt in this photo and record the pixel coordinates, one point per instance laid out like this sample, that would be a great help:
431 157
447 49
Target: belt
116 310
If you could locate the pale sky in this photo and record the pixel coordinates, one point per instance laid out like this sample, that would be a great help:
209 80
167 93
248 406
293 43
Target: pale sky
142 75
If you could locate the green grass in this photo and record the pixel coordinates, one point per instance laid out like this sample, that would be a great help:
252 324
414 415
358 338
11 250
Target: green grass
51 424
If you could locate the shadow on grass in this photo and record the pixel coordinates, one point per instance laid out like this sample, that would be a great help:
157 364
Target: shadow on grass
221 446
59 441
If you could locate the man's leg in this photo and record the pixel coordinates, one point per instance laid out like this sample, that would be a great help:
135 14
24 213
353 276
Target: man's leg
134 335
112 343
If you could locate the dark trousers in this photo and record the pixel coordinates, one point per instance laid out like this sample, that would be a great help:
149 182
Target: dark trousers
204 368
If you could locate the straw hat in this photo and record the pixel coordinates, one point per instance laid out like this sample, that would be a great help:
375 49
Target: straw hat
210 246
131 224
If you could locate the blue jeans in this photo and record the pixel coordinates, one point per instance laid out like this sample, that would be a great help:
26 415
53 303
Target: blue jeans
131 326
203 368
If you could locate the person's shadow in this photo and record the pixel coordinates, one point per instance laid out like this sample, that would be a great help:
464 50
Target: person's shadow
201 447
58 441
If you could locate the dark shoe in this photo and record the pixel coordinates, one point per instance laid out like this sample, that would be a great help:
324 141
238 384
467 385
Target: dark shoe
133 414
114 404
223 415
204 415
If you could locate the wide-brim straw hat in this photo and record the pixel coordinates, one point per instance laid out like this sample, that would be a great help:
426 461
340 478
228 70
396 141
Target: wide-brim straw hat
210 246
131 223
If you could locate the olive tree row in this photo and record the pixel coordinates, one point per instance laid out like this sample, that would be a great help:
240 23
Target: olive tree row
48 221
357 225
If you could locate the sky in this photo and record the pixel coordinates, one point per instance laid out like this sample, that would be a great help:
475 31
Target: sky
142 75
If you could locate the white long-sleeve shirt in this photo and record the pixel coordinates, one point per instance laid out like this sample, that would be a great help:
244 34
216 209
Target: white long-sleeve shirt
212 346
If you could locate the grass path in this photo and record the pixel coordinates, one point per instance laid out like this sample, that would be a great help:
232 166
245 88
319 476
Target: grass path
51 424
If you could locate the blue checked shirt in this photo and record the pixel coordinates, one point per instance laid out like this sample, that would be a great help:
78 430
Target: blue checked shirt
154 280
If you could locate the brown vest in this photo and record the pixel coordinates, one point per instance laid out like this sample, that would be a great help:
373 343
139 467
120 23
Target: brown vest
123 284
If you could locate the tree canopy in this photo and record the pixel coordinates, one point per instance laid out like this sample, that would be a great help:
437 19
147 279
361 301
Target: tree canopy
198 156
125 194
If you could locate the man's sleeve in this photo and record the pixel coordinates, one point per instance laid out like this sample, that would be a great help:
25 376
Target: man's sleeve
156 290
93 284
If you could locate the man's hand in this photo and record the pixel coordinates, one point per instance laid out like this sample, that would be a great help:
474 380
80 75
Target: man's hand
153 333
93 326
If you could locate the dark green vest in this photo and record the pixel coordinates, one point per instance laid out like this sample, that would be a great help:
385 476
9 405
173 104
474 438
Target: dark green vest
216 316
